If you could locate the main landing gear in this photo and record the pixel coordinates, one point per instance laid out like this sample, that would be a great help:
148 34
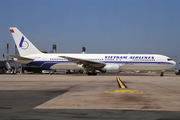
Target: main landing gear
92 73
162 73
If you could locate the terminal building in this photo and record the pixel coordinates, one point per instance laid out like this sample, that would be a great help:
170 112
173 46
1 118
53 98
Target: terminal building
2 67
10 66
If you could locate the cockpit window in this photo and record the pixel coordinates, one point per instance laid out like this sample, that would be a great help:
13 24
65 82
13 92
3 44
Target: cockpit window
169 59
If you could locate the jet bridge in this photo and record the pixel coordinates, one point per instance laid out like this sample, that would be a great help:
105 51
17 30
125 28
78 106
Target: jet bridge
9 69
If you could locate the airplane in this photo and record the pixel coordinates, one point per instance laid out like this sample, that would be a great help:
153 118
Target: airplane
105 63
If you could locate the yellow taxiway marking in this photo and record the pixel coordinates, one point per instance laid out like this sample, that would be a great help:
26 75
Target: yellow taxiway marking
124 91
120 83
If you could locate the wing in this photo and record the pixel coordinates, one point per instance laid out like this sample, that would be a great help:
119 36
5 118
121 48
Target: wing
85 63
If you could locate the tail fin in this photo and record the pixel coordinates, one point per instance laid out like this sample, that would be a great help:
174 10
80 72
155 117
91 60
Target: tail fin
24 46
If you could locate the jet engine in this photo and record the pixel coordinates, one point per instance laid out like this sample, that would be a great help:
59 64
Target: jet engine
111 68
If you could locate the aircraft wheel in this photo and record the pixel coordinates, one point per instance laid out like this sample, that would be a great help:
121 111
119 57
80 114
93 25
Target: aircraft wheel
92 74
162 74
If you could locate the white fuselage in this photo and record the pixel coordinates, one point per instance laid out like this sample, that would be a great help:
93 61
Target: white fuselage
125 61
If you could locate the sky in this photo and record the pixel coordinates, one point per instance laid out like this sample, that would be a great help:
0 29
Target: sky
102 26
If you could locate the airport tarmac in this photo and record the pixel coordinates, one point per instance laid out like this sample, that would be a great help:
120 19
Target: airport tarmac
54 97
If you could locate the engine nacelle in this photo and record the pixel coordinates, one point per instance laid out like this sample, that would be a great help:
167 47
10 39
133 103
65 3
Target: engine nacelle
111 68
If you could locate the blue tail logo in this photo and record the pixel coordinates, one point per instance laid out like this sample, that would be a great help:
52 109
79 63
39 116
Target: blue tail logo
23 44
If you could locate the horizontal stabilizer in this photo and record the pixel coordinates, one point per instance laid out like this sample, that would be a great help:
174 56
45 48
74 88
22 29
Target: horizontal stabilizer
19 58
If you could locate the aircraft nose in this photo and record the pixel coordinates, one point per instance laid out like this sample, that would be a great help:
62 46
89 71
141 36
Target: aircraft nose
174 63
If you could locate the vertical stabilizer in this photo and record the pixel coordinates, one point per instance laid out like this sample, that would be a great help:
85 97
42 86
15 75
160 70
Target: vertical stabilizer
24 46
